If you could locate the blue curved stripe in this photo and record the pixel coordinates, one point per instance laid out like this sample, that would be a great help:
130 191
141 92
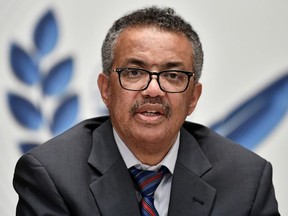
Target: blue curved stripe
251 122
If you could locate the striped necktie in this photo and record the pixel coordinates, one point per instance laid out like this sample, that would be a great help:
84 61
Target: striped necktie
147 182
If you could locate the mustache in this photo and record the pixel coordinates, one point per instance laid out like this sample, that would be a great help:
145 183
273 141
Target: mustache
149 100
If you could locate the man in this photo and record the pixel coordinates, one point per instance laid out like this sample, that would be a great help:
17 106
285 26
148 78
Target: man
144 159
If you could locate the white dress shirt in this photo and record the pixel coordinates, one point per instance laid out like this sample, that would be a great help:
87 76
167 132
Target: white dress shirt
162 193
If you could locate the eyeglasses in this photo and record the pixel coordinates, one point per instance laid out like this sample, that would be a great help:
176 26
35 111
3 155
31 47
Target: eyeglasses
137 79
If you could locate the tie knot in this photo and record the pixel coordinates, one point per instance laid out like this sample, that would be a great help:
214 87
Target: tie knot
147 181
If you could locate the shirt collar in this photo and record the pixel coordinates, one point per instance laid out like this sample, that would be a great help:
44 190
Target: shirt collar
130 160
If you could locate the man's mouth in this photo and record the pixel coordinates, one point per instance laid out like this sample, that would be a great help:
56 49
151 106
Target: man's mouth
151 107
151 113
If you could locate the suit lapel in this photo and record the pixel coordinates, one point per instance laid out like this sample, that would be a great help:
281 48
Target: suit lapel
190 195
112 189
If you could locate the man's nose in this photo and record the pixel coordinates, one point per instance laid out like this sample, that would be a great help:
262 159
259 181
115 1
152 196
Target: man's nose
153 89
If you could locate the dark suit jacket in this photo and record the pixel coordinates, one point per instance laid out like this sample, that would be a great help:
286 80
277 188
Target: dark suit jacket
82 173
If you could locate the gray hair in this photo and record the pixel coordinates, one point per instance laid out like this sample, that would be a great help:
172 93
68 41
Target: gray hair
165 19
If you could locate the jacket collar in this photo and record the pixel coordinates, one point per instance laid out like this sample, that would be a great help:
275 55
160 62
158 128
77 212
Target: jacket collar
190 194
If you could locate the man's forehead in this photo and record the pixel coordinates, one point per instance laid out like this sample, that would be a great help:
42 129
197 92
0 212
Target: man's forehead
142 35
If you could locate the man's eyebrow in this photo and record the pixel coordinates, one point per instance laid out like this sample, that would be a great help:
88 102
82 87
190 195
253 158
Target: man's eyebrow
137 62
174 65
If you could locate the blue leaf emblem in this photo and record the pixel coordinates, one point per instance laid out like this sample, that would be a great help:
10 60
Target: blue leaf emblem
58 77
256 118
24 112
23 66
65 115
26 67
27 146
46 33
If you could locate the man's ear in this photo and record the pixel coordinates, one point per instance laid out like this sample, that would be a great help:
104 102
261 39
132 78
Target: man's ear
197 91
103 85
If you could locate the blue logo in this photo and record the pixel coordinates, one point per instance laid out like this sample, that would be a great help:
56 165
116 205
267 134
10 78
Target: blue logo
52 83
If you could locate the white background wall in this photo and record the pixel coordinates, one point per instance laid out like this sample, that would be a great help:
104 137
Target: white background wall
245 44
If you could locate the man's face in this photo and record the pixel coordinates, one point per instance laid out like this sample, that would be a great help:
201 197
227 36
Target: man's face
149 116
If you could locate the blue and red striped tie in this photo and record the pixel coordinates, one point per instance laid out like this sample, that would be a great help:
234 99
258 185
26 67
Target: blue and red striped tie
147 182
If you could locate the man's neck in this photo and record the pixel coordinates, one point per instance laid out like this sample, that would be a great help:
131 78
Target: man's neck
146 153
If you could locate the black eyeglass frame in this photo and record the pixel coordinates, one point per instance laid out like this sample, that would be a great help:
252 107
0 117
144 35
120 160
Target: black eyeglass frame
157 74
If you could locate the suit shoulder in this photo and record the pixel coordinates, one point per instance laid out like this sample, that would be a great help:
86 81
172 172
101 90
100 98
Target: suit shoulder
75 141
